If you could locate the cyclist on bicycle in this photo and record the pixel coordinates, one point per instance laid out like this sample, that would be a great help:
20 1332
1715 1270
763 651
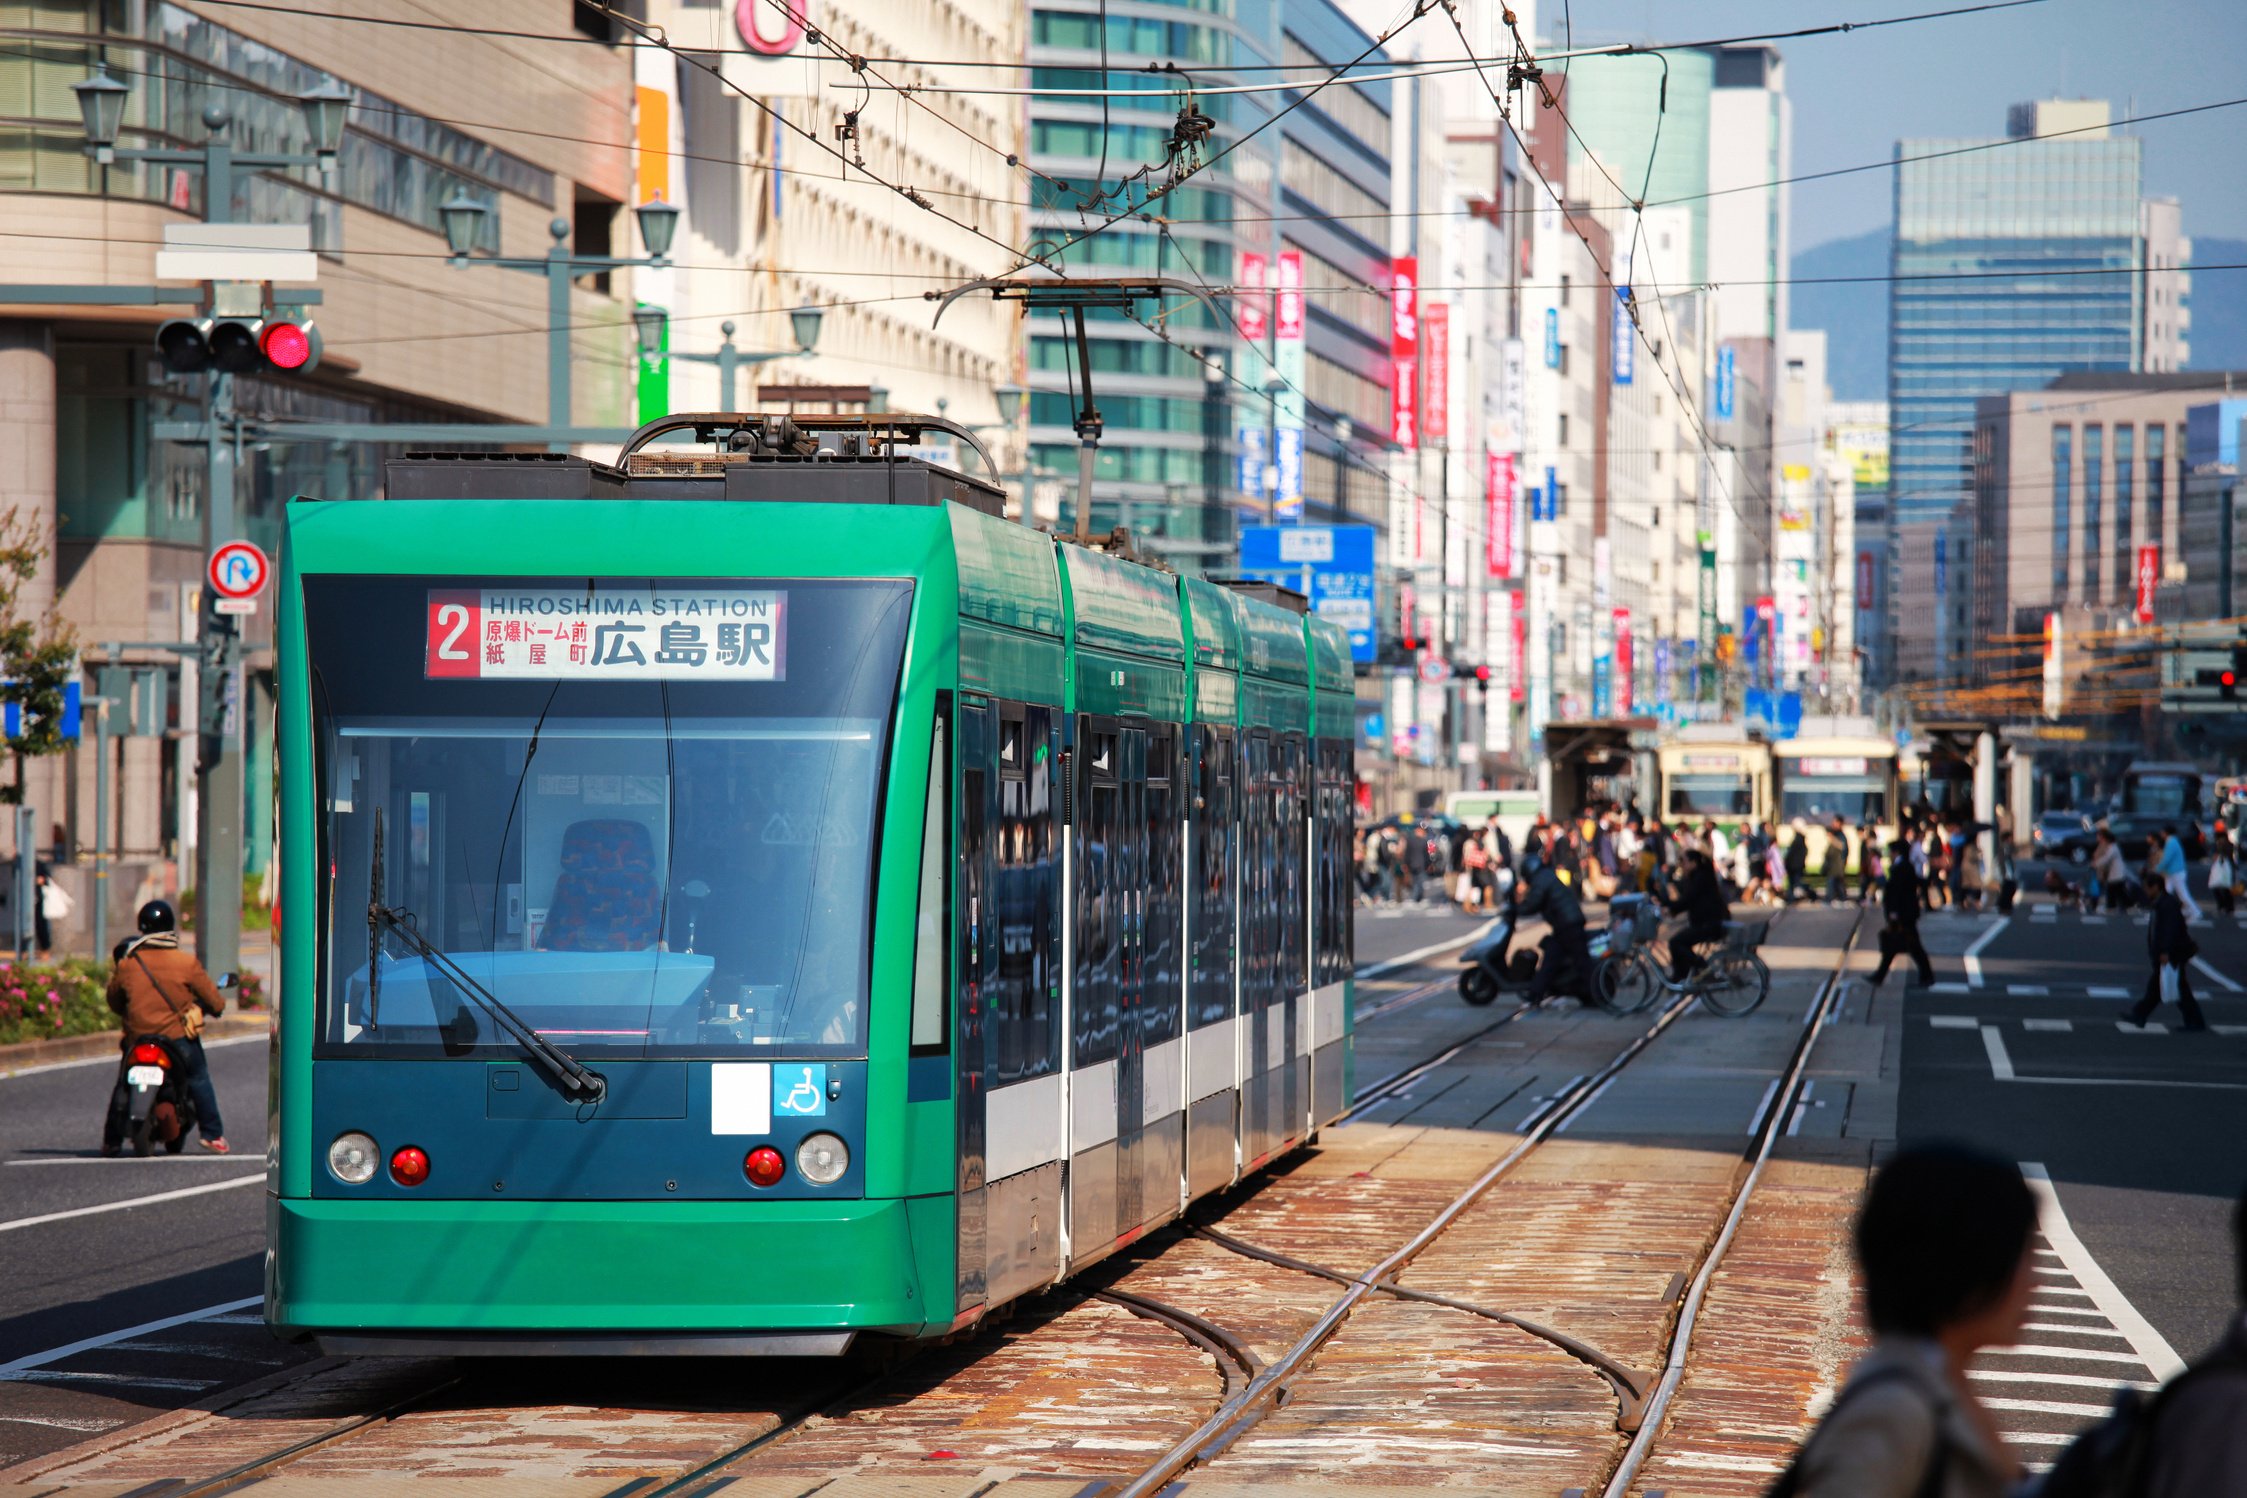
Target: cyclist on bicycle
1700 899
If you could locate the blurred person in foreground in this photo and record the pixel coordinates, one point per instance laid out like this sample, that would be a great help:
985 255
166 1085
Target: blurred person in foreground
1945 1251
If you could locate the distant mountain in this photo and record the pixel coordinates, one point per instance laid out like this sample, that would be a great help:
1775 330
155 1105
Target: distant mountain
2219 306
1855 314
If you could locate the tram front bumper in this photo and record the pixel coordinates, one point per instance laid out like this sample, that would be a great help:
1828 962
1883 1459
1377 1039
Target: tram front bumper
576 1275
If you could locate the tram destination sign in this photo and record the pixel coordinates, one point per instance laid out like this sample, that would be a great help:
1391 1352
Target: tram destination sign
607 634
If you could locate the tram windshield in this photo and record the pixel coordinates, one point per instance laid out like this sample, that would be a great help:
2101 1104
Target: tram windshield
654 836
1820 789
1711 796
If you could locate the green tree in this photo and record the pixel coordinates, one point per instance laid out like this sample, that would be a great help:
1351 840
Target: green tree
38 656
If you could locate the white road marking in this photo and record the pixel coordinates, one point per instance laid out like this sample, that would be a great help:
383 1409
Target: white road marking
1375 970
137 1380
2067 1310
88 1344
2073 1331
2040 1407
2001 1064
2075 1354
2150 1027
1974 952
199 1157
64 1422
137 1201
1948 986
2108 993
2028 990
2149 1344
2065 1380
2215 977
2094 920
1952 1021
2049 1026
1755 1124
2229 1029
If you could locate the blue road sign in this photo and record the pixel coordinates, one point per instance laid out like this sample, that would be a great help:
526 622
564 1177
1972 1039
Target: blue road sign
1337 562
1726 381
73 695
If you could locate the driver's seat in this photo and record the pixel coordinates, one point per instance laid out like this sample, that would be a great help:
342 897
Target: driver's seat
606 897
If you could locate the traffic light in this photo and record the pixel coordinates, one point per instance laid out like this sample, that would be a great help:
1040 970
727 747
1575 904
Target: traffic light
1482 680
1410 642
238 345
2238 668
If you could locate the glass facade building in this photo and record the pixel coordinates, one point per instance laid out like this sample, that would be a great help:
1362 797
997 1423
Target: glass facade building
1170 459
2018 243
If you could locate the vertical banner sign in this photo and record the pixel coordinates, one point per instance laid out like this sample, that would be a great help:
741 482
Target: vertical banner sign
1552 338
1517 673
1726 380
1253 459
2149 579
1404 351
1624 346
1498 521
1435 416
1292 360
2055 684
1252 304
1662 672
1624 696
1544 504
1513 394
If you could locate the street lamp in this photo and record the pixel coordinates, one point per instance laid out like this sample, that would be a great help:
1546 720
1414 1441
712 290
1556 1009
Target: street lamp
877 400
101 110
101 105
1009 398
805 322
649 323
659 223
464 217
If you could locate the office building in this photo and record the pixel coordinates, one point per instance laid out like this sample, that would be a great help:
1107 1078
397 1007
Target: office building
2014 265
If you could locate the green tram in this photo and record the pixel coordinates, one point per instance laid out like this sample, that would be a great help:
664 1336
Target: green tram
758 896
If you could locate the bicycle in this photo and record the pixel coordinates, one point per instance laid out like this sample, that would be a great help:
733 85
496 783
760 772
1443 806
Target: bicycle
1730 980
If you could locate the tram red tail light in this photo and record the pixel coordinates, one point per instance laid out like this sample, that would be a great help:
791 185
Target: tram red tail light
148 1053
409 1166
763 1166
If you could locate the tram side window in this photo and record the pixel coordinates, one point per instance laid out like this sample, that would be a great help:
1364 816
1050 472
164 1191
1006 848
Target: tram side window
1099 891
1163 995
971 898
1259 894
1025 1006
1294 855
1330 962
1214 835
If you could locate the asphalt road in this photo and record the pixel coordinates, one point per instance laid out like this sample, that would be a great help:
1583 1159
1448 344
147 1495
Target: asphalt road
2020 1050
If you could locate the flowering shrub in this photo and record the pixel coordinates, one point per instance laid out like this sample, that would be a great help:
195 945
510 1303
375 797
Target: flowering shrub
49 1000
46 1000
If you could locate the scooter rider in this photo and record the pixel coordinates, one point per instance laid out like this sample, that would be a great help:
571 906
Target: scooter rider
155 986
1700 899
1541 891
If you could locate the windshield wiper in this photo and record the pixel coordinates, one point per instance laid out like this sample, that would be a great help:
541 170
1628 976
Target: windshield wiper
577 1080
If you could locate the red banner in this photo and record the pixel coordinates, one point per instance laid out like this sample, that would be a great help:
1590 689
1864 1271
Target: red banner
1622 663
1251 302
1404 350
1517 678
1498 520
2149 579
1291 295
1435 415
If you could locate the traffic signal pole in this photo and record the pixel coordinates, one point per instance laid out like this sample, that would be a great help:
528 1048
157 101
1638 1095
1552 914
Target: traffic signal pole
220 792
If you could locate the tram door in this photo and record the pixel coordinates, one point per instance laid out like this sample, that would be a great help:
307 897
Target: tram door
976 952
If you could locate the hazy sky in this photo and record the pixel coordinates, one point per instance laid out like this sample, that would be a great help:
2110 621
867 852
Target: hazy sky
1856 94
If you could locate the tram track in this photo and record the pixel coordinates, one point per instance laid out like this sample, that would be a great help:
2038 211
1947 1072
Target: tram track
1642 1396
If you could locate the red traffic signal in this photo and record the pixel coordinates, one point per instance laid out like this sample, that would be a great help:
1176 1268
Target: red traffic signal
286 345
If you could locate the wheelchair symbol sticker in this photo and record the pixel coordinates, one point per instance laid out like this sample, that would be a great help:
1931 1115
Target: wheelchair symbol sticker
799 1091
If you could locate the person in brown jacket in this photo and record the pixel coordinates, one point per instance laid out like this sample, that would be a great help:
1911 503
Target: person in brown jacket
153 985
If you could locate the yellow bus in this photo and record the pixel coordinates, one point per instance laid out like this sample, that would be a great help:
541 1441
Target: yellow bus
1846 775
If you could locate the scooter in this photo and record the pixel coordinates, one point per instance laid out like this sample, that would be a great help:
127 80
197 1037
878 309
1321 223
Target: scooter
151 1105
1492 968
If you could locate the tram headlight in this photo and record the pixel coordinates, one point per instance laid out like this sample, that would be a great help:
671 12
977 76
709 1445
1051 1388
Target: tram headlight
822 1158
353 1158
